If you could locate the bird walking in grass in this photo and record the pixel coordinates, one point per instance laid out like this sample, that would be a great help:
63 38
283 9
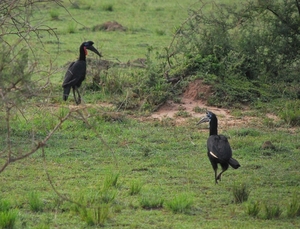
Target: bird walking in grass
77 71
218 147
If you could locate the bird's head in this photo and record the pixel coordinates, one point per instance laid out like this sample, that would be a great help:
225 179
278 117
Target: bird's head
89 45
209 116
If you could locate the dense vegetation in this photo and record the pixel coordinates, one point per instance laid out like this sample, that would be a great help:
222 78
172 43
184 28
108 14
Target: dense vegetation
105 163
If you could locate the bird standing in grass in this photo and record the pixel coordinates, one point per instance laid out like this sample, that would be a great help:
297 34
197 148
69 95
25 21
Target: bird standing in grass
218 148
77 71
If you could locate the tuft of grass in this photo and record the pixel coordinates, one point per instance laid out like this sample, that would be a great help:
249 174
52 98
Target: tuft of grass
71 28
96 216
4 205
180 204
160 32
108 7
253 209
35 203
111 180
135 188
272 211
8 219
151 202
240 193
54 14
291 113
293 209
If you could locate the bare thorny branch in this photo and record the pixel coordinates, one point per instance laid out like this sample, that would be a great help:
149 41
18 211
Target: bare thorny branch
10 159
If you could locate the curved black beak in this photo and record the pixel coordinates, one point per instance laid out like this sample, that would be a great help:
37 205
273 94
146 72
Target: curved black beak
93 49
204 119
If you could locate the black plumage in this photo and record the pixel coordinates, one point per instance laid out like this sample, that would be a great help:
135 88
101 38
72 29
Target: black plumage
218 147
77 71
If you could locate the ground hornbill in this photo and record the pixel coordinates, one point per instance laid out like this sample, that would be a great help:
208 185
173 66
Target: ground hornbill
218 148
77 71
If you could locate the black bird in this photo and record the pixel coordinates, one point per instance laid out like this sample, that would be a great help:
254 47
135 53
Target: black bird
77 71
218 148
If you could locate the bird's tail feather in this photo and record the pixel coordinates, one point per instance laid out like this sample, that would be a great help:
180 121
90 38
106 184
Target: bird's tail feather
66 93
234 163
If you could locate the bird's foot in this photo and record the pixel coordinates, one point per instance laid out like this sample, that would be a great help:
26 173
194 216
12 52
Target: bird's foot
78 101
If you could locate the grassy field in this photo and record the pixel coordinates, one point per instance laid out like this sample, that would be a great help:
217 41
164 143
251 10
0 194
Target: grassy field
111 169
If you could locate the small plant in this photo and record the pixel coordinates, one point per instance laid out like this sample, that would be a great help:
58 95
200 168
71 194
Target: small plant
151 202
71 28
180 204
4 205
35 203
108 7
160 32
293 209
107 196
135 188
8 219
96 216
54 14
272 211
240 193
111 180
253 209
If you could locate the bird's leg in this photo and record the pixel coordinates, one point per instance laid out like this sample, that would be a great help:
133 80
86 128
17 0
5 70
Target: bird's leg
216 178
224 168
77 100
79 97
219 176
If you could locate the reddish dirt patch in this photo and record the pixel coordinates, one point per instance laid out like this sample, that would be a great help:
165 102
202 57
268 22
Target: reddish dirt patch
195 96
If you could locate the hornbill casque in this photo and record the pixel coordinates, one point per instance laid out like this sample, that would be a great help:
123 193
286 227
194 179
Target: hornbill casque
77 71
218 147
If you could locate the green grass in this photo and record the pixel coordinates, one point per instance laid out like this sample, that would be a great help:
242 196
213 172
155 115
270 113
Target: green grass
146 173
171 163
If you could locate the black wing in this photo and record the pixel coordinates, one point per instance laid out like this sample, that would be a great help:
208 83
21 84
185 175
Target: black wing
220 147
75 74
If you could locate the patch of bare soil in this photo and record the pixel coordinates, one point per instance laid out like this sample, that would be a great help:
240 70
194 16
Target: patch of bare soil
194 102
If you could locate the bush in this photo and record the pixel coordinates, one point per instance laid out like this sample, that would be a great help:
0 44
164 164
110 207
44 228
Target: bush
246 53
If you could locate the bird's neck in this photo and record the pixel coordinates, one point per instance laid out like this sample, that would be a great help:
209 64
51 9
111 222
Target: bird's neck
213 128
82 53
213 131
